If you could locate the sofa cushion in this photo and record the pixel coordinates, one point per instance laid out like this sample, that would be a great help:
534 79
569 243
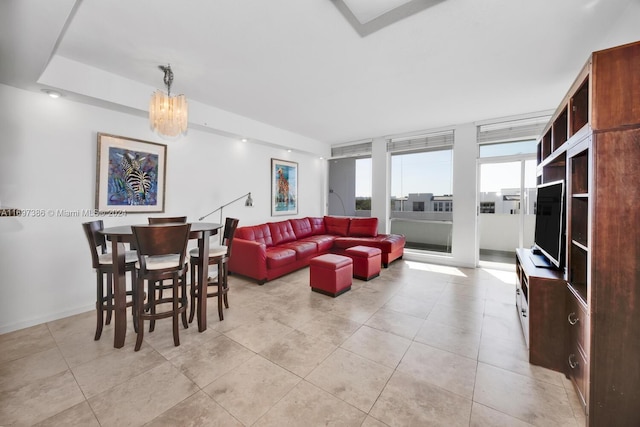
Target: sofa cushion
256 233
317 225
387 243
337 225
281 232
363 227
277 256
303 248
324 241
301 227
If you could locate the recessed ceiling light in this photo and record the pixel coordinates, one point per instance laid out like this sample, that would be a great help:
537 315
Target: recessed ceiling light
289 150
52 93
244 140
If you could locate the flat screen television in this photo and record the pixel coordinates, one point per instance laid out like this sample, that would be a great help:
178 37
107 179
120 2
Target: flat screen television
549 231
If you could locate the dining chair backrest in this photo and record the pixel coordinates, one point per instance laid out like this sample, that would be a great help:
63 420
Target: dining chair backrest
230 226
161 240
167 220
95 239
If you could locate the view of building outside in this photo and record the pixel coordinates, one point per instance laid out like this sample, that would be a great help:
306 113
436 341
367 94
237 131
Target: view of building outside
507 215
422 198
500 188
422 192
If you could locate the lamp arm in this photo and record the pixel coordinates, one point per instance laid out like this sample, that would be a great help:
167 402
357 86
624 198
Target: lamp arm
210 213
223 206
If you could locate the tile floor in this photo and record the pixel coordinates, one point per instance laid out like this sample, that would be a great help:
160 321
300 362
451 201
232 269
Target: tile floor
420 345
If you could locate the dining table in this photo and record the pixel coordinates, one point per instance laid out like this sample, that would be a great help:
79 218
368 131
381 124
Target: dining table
121 234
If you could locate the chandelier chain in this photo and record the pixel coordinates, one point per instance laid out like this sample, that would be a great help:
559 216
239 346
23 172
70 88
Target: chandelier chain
168 77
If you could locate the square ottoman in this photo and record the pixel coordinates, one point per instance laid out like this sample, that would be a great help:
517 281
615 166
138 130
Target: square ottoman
366 261
330 274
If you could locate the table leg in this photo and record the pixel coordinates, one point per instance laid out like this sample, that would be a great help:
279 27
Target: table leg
203 248
119 293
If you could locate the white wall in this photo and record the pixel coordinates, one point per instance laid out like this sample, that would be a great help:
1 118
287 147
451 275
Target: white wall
48 161
381 184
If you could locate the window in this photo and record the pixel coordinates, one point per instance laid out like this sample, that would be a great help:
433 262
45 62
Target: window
349 186
421 191
363 186
488 207
506 191
508 148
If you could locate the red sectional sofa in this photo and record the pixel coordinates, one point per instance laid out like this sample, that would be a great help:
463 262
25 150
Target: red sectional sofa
267 251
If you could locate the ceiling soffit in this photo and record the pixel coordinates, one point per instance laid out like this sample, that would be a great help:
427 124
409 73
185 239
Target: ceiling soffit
369 16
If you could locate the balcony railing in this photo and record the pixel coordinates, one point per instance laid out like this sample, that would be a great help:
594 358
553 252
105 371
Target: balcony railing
432 231
424 234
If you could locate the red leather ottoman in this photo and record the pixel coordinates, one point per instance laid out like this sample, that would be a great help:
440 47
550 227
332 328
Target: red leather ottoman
330 274
366 261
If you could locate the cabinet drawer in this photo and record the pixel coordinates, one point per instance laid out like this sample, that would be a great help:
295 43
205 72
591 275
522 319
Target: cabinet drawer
577 321
523 314
577 369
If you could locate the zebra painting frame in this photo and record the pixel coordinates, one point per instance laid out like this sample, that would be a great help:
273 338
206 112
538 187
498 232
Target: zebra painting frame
130 174
284 187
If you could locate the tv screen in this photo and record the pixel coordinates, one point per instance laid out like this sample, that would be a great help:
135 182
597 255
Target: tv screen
549 221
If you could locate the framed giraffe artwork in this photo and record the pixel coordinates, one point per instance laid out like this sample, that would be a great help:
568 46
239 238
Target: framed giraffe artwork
130 175
284 187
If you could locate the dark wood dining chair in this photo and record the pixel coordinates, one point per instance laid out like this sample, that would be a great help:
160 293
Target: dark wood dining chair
218 255
161 286
102 262
167 219
161 256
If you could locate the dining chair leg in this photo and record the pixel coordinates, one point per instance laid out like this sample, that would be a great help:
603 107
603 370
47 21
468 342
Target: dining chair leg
225 285
151 301
185 302
134 301
139 295
134 311
192 291
109 301
99 306
175 302
220 311
220 289
147 307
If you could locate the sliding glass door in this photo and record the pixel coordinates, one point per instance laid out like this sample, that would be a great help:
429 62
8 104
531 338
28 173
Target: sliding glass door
422 198
506 199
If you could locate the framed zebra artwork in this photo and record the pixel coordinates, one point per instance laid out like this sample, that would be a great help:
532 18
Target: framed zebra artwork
284 187
130 174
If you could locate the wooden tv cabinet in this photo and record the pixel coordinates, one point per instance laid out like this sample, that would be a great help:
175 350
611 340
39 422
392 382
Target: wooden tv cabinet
593 142
540 301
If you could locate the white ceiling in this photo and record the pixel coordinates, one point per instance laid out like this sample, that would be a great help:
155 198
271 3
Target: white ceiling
300 66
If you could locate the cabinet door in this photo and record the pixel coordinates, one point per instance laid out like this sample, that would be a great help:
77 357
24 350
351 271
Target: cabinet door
614 287
577 371
577 343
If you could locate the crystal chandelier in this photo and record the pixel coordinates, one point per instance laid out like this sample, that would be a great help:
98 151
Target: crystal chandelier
168 115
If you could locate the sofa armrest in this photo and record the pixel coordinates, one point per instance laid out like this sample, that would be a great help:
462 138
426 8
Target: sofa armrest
249 258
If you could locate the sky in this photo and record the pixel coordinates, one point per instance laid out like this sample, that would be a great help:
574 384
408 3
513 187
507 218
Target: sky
428 172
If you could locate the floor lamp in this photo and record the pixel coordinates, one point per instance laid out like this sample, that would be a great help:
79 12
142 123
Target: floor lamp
331 191
248 202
